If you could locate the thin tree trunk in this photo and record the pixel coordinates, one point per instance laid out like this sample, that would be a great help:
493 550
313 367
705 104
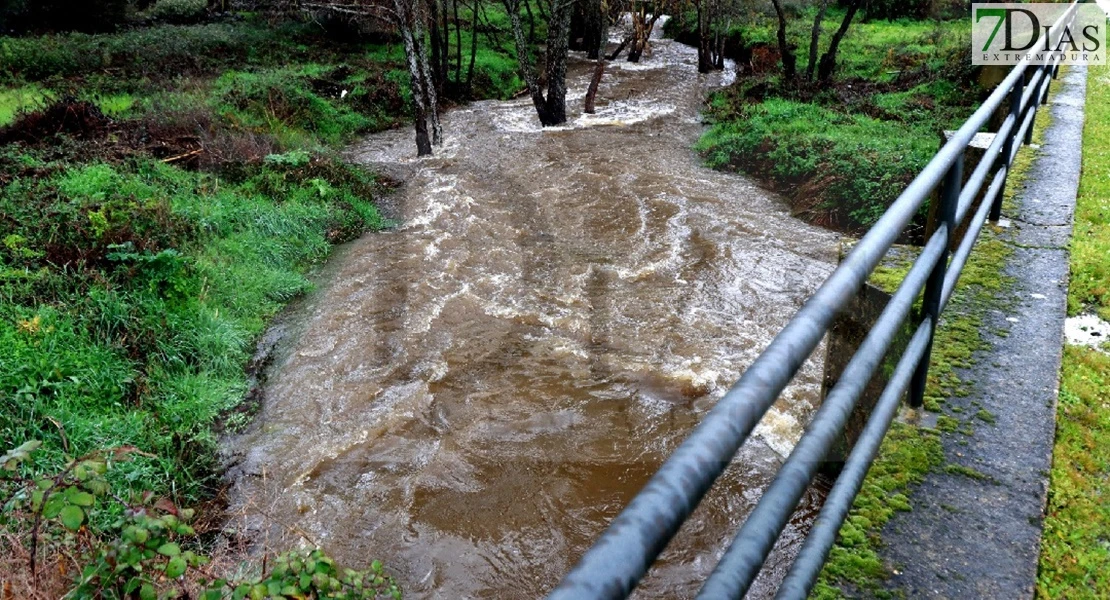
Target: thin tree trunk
591 92
789 61
814 38
620 48
705 60
437 43
431 100
531 22
473 50
458 45
828 61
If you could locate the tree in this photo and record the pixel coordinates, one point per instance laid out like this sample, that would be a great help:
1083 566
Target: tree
824 67
410 18
552 106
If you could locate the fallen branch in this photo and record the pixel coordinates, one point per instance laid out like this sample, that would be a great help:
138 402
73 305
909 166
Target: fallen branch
182 156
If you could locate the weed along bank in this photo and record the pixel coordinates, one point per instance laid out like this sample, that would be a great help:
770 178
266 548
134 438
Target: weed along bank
457 298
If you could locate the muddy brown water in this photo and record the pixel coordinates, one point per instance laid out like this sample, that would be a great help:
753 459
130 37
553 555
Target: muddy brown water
472 396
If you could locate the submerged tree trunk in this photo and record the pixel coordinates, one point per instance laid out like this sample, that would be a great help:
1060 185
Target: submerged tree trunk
705 51
410 21
551 107
828 62
641 33
595 81
558 39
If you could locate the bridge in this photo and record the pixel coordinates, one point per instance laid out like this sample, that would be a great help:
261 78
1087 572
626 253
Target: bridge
622 556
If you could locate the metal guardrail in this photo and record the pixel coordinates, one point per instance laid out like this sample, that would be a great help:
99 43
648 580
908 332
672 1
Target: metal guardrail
625 551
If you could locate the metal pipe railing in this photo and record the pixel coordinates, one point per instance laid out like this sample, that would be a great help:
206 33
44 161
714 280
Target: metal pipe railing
621 556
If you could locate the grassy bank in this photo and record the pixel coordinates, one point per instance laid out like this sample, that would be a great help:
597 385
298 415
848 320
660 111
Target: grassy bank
164 191
841 153
1075 547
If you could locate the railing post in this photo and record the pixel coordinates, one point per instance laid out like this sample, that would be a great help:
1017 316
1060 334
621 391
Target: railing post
1008 147
1036 99
949 201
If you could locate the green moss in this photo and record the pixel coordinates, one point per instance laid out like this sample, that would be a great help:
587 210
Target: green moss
954 469
985 416
1075 545
959 337
908 453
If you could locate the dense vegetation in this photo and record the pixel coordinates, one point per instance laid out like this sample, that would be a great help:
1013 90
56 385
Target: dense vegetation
840 152
164 190
1075 555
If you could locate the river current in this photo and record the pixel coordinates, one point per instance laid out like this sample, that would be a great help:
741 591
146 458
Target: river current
471 396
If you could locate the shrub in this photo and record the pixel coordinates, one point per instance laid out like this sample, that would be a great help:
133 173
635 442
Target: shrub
897 9
64 15
284 102
179 11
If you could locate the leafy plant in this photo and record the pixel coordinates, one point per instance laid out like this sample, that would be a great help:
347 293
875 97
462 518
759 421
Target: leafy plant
149 551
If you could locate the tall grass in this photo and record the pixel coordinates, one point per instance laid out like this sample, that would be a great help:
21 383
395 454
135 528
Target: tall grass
127 317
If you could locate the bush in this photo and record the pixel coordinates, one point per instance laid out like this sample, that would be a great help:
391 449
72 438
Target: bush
63 15
179 11
289 103
897 9
168 50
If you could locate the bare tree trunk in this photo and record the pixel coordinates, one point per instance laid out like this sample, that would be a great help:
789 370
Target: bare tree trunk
814 38
705 18
828 61
523 56
591 92
408 23
594 34
552 108
789 61
458 45
620 48
558 39
438 68
431 100
473 49
641 34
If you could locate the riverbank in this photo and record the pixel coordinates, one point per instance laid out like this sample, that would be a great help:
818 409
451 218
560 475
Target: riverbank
166 191
841 151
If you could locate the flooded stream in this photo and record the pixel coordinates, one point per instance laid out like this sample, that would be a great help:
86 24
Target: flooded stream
472 396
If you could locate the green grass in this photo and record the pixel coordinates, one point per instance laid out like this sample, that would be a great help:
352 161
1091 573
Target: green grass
1090 277
842 155
131 295
844 164
14 101
1075 546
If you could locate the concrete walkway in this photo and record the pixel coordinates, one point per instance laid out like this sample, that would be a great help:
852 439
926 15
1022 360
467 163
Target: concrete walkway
980 538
